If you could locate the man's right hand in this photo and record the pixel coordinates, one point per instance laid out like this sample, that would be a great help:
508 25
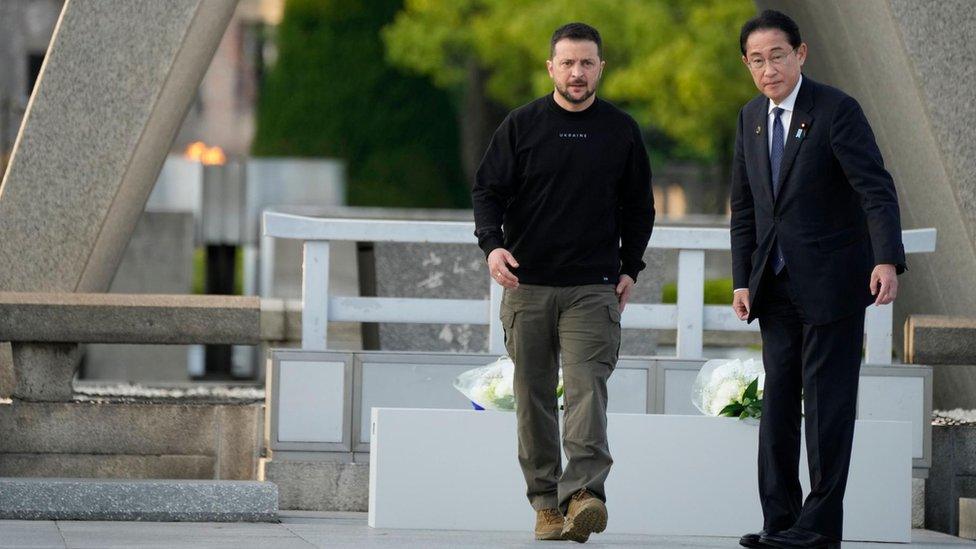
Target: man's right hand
499 261
740 304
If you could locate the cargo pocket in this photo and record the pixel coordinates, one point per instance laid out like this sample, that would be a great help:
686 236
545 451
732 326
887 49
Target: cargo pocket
508 326
614 312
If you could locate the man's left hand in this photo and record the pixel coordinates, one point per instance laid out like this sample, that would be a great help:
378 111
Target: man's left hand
886 277
623 290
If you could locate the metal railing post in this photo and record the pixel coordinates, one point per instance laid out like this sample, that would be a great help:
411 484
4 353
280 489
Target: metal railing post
691 307
315 295
878 329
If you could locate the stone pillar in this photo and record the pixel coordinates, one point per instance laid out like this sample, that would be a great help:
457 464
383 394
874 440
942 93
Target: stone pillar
44 371
7 377
909 64
117 81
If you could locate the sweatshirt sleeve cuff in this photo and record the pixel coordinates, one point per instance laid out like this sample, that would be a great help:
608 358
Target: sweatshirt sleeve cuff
631 271
490 243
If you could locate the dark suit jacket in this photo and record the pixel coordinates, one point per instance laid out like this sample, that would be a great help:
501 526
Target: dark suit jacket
836 215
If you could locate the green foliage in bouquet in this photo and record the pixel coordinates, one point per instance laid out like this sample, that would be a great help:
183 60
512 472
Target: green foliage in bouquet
749 405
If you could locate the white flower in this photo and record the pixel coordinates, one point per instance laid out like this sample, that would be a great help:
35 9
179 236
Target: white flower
491 386
481 395
722 382
728 391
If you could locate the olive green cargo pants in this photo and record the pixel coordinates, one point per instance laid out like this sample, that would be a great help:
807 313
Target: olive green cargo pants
583 324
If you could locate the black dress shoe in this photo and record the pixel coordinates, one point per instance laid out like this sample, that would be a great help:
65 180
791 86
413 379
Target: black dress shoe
799 539
754 540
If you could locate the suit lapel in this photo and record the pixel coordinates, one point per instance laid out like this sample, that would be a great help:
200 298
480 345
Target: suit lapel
799 127
759 123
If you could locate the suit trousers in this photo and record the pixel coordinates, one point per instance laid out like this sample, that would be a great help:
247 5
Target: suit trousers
822 361
582 324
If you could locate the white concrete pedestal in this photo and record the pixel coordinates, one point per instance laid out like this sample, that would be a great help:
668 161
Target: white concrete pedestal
672 475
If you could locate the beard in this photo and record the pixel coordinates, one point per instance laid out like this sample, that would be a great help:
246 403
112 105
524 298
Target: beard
564 91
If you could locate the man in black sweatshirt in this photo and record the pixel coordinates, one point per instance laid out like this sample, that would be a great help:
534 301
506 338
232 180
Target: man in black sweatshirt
563 211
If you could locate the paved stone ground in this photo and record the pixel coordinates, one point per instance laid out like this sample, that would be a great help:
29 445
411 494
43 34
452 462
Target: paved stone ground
314 530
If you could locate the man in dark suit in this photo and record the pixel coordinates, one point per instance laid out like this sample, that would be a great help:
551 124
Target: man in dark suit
816 237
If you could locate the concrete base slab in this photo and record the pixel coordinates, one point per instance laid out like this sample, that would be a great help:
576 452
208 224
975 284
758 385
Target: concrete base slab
230 435
306 530
183 535
107 466
937 339
954 386
319 485
7 378
918 503
967 518
33 534
952 476
152 500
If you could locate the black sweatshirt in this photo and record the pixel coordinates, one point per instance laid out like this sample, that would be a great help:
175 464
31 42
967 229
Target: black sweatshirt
573 191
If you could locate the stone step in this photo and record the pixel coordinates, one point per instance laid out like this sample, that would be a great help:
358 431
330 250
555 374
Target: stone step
940 339
228 434
147 500
116 466
318 485
967 518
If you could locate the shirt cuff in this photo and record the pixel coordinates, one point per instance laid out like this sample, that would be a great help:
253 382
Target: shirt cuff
490 244
631 270
739 290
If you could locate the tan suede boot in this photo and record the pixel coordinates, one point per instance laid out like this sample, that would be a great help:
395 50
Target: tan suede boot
587 514
548 524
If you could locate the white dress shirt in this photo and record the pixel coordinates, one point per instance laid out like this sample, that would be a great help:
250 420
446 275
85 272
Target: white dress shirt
786 117
787 105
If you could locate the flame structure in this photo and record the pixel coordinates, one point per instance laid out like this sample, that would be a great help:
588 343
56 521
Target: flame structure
208 156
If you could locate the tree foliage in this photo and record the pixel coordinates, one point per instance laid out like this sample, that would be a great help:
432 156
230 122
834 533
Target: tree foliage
331 94
674 65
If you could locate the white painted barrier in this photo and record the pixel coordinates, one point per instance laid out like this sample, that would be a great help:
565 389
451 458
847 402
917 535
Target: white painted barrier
689 316
672 475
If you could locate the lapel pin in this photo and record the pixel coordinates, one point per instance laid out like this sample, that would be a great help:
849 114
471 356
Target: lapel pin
800 132
758 130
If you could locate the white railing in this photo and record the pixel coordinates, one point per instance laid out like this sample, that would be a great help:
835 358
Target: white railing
690 317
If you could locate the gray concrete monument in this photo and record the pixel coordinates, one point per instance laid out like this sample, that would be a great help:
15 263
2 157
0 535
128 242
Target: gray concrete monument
158 260
117 81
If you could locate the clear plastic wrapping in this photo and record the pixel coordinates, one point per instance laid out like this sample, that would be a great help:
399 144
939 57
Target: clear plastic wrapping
491 387
722 383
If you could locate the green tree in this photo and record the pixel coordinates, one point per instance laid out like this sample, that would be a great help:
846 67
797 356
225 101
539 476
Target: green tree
674 65
332 94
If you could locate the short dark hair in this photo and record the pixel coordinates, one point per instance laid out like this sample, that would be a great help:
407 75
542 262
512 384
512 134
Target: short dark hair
576 31
770 19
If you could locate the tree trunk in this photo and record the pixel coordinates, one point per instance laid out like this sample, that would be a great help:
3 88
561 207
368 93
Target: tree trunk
478 118
724 181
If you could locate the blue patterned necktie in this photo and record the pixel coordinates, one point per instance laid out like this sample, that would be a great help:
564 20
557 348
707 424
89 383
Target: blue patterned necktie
775 159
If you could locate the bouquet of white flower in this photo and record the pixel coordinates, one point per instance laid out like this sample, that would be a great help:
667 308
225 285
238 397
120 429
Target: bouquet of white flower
731 388
491 387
